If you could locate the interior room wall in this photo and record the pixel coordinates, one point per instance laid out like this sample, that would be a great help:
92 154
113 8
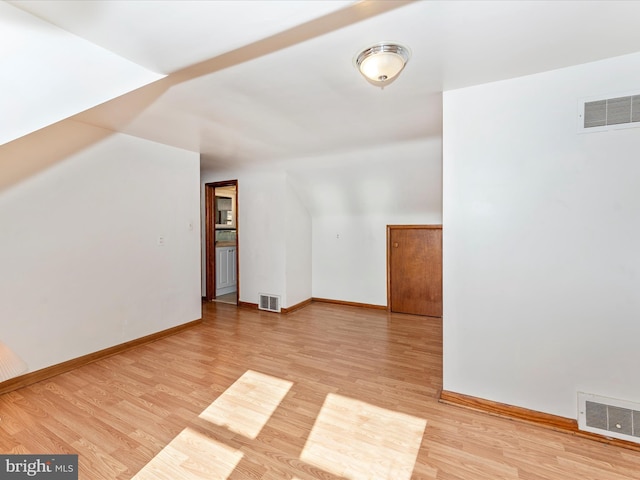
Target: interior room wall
294 251
350 255
82 268
262 231
541 235
298 248
352 197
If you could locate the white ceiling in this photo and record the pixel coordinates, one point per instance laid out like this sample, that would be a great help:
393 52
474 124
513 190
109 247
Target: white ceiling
36 92
303 98
164 36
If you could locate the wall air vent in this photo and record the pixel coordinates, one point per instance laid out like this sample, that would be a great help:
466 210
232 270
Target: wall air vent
270 303
607 113
609 417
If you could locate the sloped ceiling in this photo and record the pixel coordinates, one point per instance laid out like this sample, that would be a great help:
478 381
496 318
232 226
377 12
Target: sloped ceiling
165 36
49 74
255 82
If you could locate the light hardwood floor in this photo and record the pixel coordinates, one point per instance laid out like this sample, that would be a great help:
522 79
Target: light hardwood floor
327 392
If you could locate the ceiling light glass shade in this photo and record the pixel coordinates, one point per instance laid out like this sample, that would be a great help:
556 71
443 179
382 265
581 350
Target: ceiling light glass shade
380 64
11 365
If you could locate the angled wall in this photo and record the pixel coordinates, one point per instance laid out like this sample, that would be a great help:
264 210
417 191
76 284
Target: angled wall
52 74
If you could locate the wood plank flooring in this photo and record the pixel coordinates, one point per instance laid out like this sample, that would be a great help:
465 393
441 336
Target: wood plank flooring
165 409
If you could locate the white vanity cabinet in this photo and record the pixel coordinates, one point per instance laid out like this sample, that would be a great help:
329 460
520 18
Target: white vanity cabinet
226 271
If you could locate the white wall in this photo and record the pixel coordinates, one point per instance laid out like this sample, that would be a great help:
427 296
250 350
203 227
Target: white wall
541 235
290 217
298 248
80 266
267 215
350 255
352 197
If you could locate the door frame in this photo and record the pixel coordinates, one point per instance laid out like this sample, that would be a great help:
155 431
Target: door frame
210 236
400 227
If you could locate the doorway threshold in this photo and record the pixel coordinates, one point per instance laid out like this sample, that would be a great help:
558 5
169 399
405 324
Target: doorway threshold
230 298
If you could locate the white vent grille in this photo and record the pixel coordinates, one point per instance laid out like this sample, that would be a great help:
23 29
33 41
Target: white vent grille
607 113
270 303
609 417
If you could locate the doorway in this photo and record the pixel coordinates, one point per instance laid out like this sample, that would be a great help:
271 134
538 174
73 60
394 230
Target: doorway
414 269
221 242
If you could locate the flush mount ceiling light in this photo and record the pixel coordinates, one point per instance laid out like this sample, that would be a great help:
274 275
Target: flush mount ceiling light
381 63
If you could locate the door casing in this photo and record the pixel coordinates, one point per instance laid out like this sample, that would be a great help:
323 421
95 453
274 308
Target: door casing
210 236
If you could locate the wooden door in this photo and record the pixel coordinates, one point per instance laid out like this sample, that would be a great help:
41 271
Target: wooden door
414 256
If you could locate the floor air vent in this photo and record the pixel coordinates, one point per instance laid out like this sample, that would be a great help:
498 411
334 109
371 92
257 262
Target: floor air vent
270 303
609 417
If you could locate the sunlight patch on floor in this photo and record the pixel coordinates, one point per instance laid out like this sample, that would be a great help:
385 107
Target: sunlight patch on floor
191 455
350 438
359 441
246 406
